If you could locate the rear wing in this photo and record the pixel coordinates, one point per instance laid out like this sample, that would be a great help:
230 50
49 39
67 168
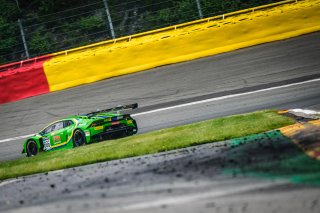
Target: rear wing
116 109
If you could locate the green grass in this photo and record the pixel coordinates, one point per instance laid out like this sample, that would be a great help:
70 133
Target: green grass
158 141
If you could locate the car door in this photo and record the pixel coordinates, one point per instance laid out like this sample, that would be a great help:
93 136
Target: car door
46 137
68 127
58 134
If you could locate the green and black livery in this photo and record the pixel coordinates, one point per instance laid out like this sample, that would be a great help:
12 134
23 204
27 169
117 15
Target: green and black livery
83 129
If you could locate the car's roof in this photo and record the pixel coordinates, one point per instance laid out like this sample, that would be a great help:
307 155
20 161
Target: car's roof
97 116
85 117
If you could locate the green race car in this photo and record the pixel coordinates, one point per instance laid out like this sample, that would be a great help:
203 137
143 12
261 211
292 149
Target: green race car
82 129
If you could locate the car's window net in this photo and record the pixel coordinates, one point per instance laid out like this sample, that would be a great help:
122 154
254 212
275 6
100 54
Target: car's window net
47 130
57 126
67 123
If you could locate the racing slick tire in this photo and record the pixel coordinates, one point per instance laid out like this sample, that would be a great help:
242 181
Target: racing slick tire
78 138
31 148
129 133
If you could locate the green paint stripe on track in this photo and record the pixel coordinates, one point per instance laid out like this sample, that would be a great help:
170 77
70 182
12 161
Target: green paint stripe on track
273 156
269 136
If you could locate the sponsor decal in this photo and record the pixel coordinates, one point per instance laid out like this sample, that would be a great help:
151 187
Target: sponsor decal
115 123
98 127
46 144
129 122
57 139
87 133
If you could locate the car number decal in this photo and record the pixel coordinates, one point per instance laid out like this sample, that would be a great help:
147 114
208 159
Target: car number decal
46 144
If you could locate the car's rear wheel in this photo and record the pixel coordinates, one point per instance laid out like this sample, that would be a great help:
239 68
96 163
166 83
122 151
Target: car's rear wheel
78 138
129 133
32 148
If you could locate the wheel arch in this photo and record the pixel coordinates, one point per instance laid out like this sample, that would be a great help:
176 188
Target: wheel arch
83 132
37 140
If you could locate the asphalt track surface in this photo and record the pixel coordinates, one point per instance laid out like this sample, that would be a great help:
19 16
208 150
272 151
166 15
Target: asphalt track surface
249 69
130 185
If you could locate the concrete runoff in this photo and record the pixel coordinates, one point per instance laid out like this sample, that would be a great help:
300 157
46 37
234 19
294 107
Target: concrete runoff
185 180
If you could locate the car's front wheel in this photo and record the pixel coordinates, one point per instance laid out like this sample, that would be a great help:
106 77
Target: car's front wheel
78 138
32 148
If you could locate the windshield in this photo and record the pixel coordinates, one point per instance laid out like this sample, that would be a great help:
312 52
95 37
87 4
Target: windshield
52 128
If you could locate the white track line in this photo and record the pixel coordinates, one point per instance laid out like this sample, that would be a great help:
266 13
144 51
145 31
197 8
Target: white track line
226 97
196 102
3 183
15 138
306 111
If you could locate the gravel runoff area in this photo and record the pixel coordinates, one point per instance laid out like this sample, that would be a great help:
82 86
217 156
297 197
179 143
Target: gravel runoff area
185 180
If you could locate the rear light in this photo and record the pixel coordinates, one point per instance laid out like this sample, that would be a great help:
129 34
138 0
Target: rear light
115 123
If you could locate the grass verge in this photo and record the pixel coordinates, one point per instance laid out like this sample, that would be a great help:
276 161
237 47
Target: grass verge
158 141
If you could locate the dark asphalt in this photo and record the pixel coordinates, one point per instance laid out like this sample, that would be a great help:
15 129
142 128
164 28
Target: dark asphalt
186 180
165 182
